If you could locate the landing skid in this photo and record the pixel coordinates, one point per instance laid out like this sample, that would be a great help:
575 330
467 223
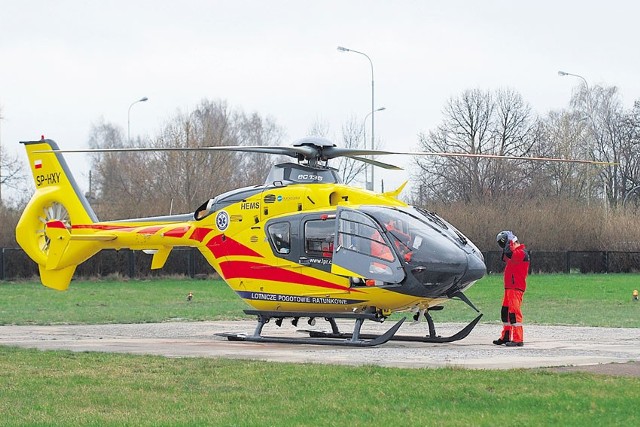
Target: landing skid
431 338
354 339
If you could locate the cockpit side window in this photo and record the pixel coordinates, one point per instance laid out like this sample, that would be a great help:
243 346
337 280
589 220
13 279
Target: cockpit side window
364 248
359 234
280 236
318 237
204 210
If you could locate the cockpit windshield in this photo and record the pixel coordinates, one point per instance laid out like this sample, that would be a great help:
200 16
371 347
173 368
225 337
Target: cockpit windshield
389 244
420 240
409 228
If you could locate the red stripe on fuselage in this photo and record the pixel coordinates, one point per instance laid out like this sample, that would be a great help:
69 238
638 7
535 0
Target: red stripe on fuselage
252 270
150 230
176 232
103 227
200 233
220 247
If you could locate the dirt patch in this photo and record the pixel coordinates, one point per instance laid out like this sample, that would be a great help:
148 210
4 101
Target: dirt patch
631 369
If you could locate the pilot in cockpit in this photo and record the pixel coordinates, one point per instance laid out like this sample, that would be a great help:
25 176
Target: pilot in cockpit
204 210
395 229
401 240
379 248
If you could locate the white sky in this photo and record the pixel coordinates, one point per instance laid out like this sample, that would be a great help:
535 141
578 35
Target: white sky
64 65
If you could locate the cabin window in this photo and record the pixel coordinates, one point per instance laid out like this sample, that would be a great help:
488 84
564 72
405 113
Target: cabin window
318 237
280 236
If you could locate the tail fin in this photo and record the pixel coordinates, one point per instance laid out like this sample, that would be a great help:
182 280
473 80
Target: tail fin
56 204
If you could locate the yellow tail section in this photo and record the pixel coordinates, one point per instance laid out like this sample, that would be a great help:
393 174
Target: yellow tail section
44 227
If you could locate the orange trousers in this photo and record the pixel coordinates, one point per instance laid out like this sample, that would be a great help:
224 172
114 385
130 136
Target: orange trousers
511 315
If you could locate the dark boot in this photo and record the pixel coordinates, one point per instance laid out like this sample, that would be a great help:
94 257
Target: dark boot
502 340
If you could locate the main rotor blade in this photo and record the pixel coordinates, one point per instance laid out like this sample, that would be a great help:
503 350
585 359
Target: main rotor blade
330 152
376 163
303 151
333 152
496 156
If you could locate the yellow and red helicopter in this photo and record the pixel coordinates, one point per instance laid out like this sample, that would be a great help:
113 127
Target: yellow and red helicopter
302 245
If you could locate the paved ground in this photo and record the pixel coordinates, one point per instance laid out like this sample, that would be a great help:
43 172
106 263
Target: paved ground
613 351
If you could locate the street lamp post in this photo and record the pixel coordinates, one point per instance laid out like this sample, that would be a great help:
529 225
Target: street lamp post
144 99
364 137
564 73
590 118
373 108
586 86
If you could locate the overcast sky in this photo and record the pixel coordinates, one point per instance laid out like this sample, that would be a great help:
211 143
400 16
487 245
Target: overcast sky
65 65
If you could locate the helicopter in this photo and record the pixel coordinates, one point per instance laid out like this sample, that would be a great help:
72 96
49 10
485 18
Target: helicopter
302 245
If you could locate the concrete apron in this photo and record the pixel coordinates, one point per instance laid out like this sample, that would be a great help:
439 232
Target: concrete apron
545 346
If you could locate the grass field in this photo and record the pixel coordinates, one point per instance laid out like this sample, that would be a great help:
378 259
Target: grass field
64 388
586 300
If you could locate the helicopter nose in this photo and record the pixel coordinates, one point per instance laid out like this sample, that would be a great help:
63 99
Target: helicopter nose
476 268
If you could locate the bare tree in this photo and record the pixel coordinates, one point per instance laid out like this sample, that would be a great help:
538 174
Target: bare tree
563 134
11 173
353 136
162 182
121 179
192 177
256 131
187 178
630 153
320 127
601 107
478 122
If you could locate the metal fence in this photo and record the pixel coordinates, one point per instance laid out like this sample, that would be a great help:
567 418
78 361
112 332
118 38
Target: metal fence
572 262
15 264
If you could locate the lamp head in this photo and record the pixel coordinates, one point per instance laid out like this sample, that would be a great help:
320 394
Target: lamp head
342 49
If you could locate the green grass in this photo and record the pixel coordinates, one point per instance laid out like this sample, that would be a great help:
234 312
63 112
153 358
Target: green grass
113 301
64 388
586 300
558 299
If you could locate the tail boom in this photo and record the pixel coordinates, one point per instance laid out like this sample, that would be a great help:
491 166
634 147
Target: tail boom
59 230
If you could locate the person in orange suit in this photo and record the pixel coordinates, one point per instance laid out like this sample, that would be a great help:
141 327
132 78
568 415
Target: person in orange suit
517 260
400 239
379 248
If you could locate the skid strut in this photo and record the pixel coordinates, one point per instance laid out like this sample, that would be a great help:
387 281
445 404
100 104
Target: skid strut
354 339
432 337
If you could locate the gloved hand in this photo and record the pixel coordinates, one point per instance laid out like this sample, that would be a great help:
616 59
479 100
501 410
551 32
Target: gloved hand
511 237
